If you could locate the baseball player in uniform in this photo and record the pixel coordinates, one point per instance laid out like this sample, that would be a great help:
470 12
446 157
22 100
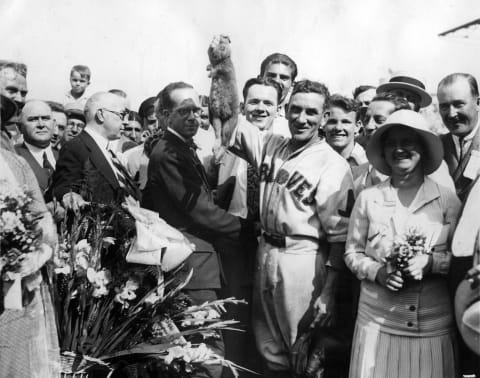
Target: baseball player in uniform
306 194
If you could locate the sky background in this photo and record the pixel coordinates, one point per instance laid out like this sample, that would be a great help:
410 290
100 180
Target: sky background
140 46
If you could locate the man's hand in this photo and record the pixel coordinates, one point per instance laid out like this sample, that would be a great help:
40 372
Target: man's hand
418 266
392 281
324 309
73 201
473 276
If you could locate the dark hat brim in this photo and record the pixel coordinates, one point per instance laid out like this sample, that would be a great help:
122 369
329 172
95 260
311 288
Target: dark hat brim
425 98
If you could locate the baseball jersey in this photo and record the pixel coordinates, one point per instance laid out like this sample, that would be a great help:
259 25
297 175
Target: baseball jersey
303 193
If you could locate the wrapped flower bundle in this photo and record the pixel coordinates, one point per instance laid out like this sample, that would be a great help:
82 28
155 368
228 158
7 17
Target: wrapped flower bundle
18 232
19 235
119 300
406 246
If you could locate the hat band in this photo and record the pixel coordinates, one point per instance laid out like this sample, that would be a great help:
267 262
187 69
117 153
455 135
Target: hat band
407 80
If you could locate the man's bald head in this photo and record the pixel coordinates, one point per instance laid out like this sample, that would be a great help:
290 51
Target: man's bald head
36 123
107 113
13 85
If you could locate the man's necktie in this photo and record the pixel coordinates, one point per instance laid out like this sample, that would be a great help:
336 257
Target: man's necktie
48 169
253 195
124 178
198 164
46 164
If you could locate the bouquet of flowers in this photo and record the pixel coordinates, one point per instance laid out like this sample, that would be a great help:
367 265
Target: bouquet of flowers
112 312
406 246
18 236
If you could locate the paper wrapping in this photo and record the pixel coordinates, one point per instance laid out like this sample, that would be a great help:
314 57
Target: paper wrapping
12 292
157 243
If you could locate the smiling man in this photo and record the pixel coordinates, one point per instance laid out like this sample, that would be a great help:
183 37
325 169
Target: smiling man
305 200
341 128
459 104
283 70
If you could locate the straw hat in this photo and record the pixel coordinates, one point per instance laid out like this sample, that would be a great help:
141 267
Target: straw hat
433 154
467 314
409 83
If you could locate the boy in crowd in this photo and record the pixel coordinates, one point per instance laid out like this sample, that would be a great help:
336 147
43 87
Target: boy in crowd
341 128
79 80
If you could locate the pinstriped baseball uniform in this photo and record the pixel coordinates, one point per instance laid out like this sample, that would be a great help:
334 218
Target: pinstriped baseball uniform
305 200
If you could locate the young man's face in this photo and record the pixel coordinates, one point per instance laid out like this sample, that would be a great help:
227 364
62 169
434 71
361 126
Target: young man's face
305 116
282 74
261 106
13 85
366 97
78 83
340 128
133 131
376 116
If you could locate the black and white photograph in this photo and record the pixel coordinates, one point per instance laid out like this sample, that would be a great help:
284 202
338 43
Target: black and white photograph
240 189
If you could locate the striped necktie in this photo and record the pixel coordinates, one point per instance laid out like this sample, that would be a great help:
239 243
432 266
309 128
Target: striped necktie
124 178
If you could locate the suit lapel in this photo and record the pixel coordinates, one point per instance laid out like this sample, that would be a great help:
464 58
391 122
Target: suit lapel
475 145
98 159
450 153
191 155
38 170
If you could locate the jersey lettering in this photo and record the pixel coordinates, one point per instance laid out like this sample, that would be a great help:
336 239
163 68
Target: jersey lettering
294 180
300 190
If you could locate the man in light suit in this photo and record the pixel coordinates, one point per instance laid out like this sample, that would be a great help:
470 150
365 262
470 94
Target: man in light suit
37 128
87 170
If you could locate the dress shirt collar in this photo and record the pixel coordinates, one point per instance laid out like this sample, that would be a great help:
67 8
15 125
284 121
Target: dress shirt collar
37 153
189 143
358 155
99 139
469 137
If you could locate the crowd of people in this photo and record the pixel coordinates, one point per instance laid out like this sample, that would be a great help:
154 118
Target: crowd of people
298 208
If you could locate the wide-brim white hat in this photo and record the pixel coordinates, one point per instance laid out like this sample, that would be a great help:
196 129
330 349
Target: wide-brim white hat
407 83
432 155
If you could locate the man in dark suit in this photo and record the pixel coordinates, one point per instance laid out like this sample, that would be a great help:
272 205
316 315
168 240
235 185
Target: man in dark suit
459 105
179 190
87 170
37 129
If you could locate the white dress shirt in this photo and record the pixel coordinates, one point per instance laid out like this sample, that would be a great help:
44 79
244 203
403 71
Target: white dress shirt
466 141
104 144
38 152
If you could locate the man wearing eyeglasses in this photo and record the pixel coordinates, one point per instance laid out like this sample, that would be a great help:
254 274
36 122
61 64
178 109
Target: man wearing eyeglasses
87 169
180 191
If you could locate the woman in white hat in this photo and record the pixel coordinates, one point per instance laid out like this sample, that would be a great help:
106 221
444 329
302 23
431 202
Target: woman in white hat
405 325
